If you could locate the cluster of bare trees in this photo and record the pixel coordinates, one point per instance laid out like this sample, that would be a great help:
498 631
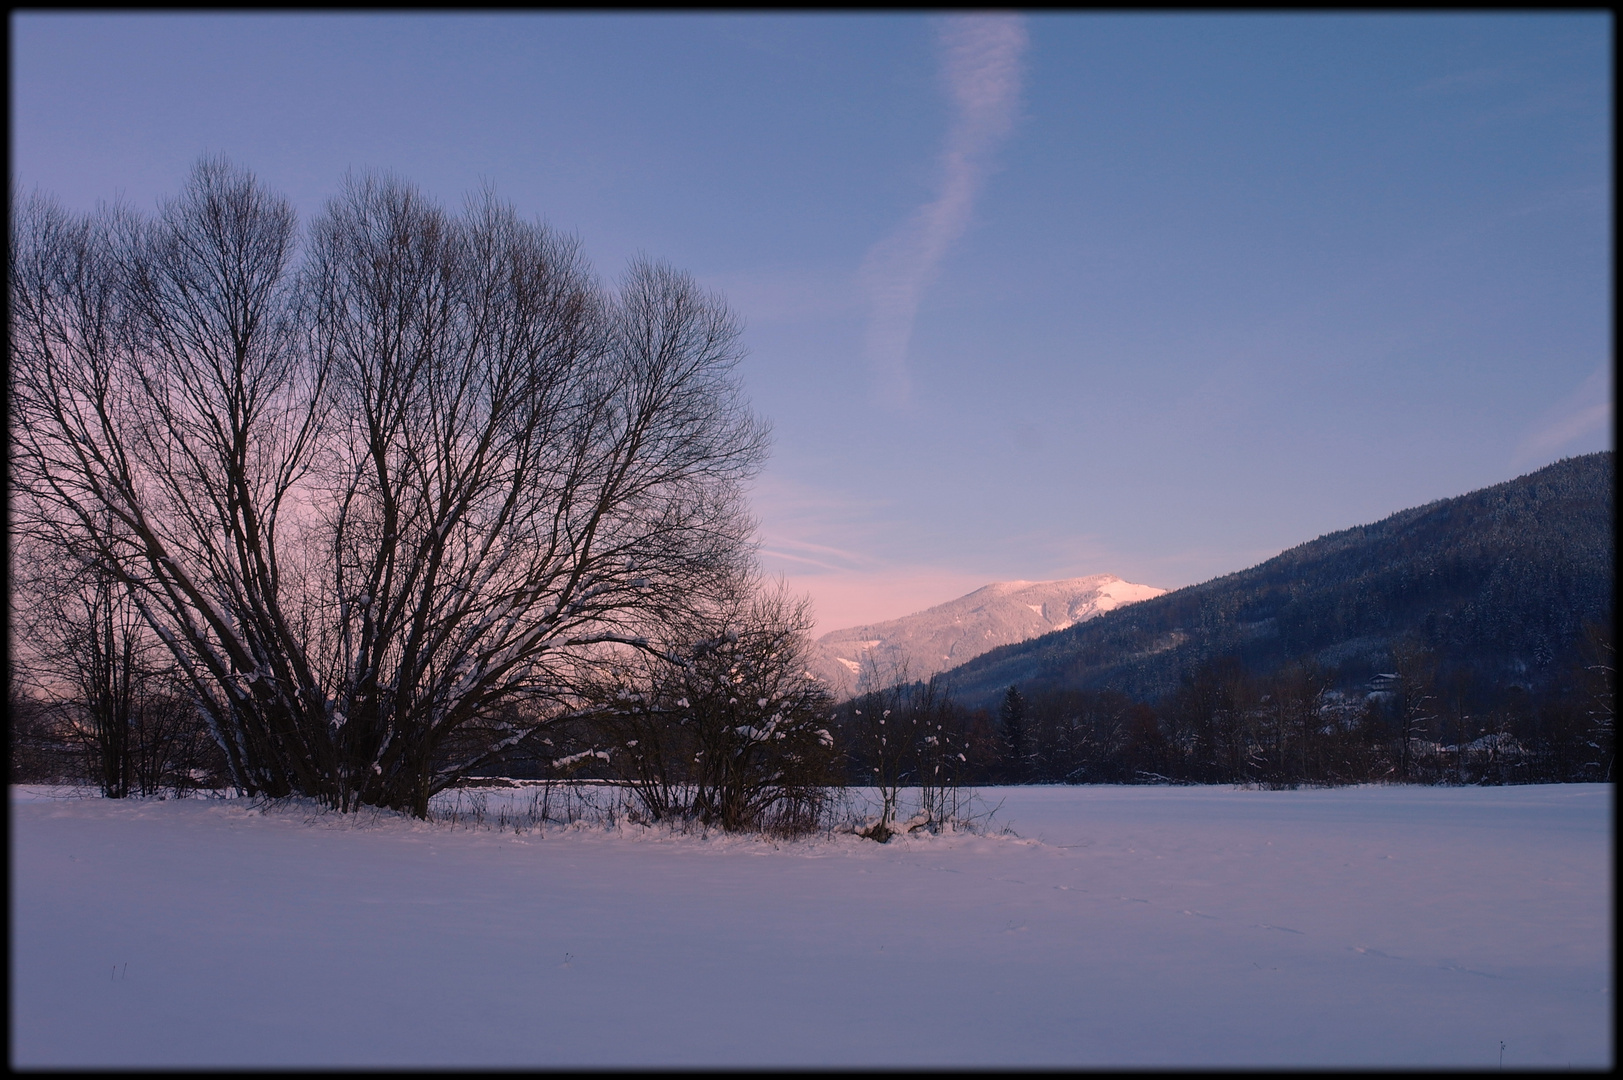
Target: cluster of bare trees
389 498
736 733
97 700
1291 727
911 736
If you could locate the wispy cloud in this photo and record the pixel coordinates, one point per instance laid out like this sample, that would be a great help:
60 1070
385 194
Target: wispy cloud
1585 412
860 563
982 71
844 553
814 528
813 558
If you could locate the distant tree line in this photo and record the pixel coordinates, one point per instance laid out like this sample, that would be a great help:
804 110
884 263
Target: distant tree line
919 751
738 736
1299 724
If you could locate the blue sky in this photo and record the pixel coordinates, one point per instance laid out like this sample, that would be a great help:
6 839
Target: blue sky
1026 297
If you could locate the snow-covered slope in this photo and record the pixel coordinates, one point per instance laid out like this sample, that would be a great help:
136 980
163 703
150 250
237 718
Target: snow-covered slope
1152 927
919 645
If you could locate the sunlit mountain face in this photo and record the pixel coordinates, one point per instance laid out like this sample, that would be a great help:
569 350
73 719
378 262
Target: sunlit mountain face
919 645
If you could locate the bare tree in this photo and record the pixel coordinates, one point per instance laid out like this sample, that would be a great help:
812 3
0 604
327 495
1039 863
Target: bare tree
374 501
938 752
908 734
155 387
89 648
1213 717
730 728
881 735
1289 719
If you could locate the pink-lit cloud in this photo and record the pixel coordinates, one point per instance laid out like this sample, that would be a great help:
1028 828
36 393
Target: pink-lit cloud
858 562
842 553
856 598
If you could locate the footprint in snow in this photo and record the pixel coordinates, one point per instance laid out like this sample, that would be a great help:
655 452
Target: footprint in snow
1367 951
1468 971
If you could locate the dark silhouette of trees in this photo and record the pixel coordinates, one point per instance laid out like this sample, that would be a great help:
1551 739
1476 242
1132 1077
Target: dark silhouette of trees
1414 701
381 494
1012 719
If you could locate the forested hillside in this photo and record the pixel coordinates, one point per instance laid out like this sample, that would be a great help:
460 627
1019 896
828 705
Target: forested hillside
1496 585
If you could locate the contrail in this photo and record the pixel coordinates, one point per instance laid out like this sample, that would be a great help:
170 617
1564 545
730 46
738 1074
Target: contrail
981 66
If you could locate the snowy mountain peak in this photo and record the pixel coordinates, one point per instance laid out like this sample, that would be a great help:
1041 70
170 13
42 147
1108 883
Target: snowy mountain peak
919 645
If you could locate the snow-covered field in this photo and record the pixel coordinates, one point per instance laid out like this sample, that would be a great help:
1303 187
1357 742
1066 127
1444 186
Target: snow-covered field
1123 926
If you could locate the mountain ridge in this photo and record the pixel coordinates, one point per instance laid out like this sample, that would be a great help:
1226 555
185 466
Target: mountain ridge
1497 582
